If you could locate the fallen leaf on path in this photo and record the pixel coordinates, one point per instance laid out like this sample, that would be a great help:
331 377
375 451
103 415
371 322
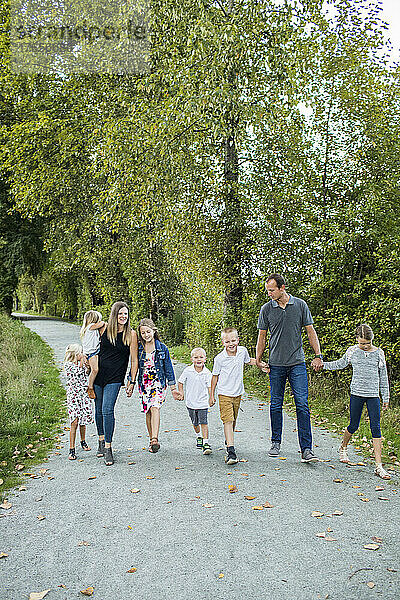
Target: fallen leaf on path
364 499
6 505
40 517
208 505
371 546
243 460
245 474
379 488
92 477
132 462
337 513
177 468
62 586
317 513
132 570
268 505
88 591
134 490
257 507
356 486
39 499
330 539
331 466
43 471
391 570
22 488
338 480
249 497
232 489
262 475
382 498
19 467
376 539
360 494
38 595
321 535
150 477
370 584
282 458
3 554
221 576
361 464
84 543
50 478
329 530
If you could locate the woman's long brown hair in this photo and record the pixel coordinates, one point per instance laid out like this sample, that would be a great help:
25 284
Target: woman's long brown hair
112 325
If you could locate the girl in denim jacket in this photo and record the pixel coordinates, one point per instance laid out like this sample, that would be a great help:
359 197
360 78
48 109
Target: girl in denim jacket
155 374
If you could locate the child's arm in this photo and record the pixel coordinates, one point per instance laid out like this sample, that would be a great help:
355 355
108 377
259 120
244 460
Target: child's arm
214 381
252 362
170 375
383 380
180 390
97 325
336 365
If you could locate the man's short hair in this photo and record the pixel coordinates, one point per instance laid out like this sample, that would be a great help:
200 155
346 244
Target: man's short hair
278 279
228 330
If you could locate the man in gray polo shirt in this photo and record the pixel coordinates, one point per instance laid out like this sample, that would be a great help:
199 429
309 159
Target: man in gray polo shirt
283 317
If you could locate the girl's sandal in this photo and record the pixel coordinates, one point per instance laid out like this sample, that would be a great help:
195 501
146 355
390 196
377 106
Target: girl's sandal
71 454
85 446
380 472
154 445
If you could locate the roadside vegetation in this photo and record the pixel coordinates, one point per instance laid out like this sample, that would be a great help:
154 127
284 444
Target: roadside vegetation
31 401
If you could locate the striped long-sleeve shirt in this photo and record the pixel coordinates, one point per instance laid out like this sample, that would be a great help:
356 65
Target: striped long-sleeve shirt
369 372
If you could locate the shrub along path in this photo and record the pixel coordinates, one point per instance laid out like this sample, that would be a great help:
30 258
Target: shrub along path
80 524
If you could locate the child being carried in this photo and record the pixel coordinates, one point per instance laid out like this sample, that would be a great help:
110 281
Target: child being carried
92 322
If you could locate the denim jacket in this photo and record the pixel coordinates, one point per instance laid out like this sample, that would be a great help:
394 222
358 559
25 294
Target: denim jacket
163 364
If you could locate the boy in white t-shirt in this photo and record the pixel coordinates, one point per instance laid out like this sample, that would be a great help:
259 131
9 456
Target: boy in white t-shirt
227 377
197 380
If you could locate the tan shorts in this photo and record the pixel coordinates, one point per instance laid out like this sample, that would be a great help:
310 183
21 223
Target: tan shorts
229 407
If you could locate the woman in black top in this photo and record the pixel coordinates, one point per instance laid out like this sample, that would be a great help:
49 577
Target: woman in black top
118 343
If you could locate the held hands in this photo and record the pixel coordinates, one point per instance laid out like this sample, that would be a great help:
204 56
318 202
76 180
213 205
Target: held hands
177 395
129 388
263 366
385 405
317 364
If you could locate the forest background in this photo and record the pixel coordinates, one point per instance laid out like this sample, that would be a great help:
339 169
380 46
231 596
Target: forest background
265 138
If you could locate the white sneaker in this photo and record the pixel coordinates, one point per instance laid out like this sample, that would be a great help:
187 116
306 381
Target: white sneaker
343 455
380 472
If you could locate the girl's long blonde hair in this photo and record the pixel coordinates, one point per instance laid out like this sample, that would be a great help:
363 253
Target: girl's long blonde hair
112 325
90 317
71 353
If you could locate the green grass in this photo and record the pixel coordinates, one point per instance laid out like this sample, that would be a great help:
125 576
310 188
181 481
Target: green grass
329 406
32 401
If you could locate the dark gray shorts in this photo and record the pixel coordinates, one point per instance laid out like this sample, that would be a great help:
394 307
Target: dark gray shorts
198 415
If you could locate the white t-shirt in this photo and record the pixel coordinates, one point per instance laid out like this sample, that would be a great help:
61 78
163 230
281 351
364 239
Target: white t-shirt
230 371
196 389
91 341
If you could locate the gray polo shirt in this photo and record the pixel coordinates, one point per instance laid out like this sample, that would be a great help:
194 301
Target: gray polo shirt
285 325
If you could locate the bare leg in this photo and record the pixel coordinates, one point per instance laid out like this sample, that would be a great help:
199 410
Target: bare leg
204 431
148 423
377 443
94 369
346 438
72 433
155 421
228 430
82 431
196 428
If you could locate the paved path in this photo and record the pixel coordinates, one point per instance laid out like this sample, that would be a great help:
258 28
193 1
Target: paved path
181 548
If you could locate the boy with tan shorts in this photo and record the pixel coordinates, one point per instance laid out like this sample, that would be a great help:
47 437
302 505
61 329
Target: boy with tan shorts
227 377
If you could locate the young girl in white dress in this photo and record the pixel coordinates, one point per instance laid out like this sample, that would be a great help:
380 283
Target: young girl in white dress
78 402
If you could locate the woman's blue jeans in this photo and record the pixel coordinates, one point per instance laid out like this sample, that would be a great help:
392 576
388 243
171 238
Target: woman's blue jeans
106 398
297 376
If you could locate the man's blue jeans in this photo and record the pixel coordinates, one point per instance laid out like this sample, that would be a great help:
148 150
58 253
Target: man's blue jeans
106 398
297 376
